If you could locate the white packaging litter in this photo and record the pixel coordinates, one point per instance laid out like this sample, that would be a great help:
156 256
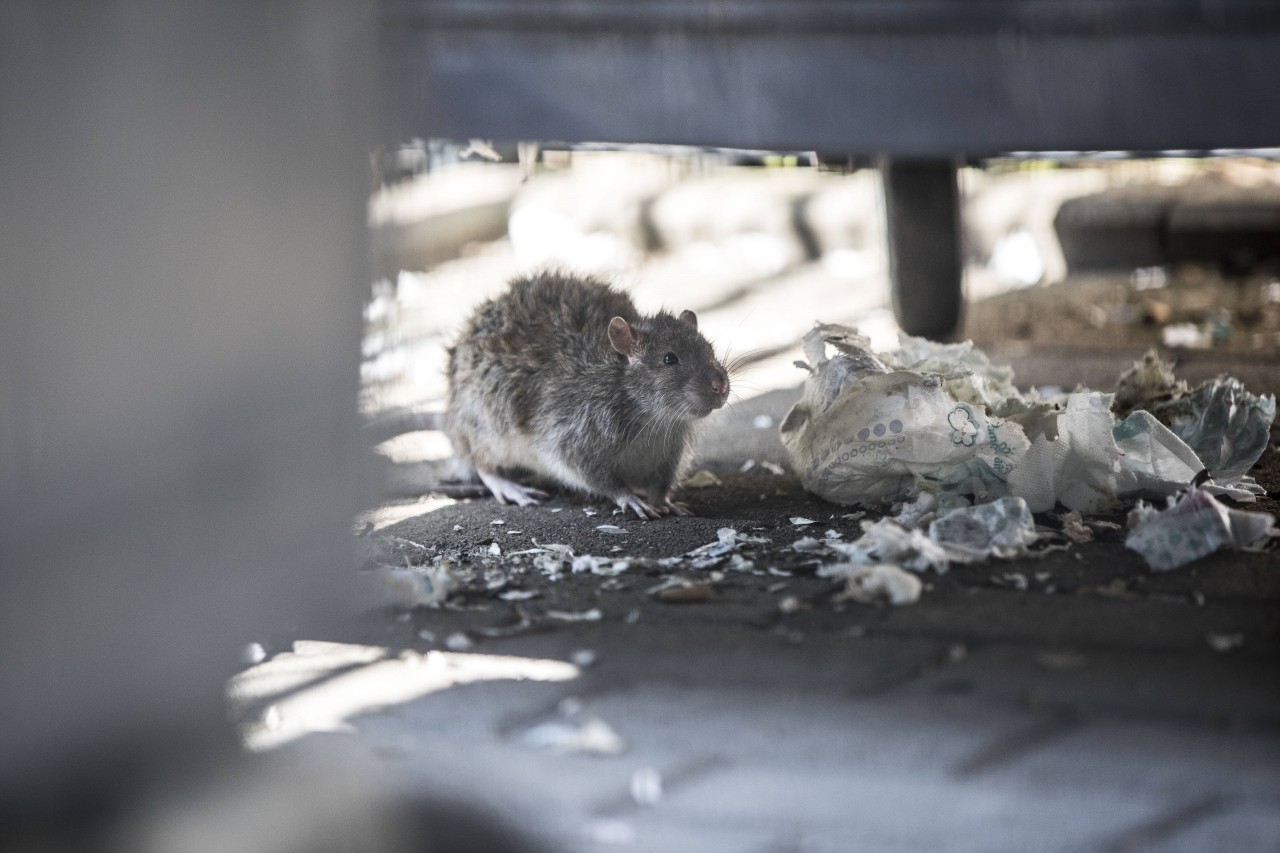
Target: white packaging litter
1003 528
1191 527
865 434
941 420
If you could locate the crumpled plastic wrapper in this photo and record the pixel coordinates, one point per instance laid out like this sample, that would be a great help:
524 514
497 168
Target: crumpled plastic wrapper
886 541
866 434
1192 527
1223 425
1003 528
967 534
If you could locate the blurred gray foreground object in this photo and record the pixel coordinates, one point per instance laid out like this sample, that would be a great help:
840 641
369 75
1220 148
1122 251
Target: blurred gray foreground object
182 269
932 82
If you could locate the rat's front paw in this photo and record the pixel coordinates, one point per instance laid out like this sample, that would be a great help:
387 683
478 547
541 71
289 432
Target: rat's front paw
639 507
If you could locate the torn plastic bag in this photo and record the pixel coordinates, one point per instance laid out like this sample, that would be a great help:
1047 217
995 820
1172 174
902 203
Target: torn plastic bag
864 435
1224 425
1227 427
1192 527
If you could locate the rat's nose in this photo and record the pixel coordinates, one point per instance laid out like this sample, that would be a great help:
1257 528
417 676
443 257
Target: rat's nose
720 385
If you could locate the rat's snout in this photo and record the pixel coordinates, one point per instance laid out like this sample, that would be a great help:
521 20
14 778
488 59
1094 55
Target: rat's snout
720 386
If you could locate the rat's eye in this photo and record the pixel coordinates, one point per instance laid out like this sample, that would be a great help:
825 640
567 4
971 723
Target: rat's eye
670 358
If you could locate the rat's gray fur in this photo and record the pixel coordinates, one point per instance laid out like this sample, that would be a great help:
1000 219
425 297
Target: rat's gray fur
538 380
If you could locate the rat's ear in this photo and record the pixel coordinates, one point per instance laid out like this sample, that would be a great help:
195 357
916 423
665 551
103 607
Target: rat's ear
623 337
690 319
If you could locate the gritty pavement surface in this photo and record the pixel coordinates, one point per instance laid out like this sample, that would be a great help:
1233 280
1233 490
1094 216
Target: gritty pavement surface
1070 700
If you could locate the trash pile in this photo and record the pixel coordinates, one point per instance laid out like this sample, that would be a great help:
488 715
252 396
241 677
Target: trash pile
935 426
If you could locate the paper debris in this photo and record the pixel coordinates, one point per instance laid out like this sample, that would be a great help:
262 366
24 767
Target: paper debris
1191 527
747 466
868 584
612 529
518 594
773 467
798 521
495 550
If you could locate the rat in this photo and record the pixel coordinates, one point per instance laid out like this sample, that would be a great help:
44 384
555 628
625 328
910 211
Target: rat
562 376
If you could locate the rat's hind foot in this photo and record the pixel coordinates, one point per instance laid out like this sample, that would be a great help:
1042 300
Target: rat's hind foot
677 508
508 492
639 507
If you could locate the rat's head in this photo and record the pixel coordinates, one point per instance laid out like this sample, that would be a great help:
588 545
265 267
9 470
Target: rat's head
670 365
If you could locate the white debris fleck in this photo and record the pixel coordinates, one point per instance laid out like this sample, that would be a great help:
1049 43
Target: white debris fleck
583 657
599 565
457 527
588 511
868 584
832 534
646 786
701 479
779 573
801 521
612 529
1224 642
1013 580
495 550
428 635
808 545
790 604
253 653
518 594
592 615
413 586
557 509
497 521
612 832
1075 528
458 642
773 467
747 466
592 736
